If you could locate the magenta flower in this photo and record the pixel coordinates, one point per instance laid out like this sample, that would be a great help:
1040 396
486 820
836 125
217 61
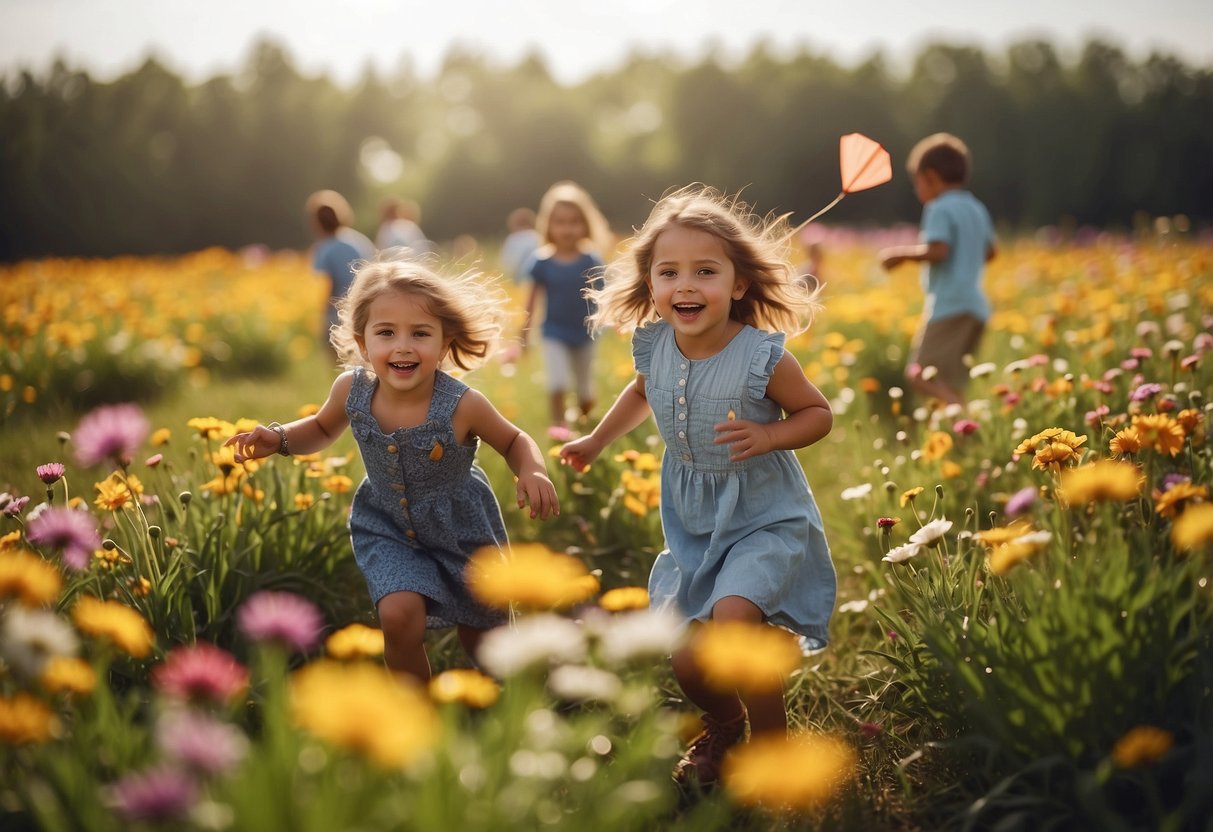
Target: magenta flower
1141 353
964 427
51 472
153 460
887 522
13 505
1145 392
202 672
72 533
159 794
1020 501
284 617
200 742
110 432
1038 360
1095 417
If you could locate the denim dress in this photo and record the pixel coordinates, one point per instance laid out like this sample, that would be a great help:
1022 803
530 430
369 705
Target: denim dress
424 507
749 528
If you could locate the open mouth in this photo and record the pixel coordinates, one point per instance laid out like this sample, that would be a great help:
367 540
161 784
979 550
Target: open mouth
404 366
688 310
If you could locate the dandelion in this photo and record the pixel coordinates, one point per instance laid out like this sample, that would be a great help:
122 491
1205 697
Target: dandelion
355 641
1160 433
740 655
798 772
531 576
158 795
931 533
28 578
200 742
51 472
202 672
1142 745
625 598
903 553
1104 480
1126 442
110 432
536 640
1194 528
365 708
25 720
908 495
467 687
283 617
116 622
68 674
70 532
31 638
1172 501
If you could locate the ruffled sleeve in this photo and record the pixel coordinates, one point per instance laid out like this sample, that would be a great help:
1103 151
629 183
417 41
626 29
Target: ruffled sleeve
642 346
766 355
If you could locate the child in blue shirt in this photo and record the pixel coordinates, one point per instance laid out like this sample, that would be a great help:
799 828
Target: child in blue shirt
956 241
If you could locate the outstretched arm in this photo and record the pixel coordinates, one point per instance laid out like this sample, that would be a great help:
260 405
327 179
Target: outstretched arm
807 421
629 410
303 436
475 415
935 252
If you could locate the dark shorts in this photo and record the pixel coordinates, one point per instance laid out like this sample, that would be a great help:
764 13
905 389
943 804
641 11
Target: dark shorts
943 344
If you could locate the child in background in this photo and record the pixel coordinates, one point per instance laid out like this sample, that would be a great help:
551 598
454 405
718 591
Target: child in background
713 293
398 227
425 506
575 237
956 241
338 247
520 244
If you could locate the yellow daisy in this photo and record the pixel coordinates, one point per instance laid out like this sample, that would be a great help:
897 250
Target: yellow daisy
1194 528
1104 480
1159 432
798 772
625 598
25 720
355 641
531 576
28 578
469 687
67 674
116 622
752 657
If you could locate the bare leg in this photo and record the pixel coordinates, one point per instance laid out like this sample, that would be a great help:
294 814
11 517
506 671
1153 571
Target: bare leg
767 712
402 617
556 404
587 407
470 638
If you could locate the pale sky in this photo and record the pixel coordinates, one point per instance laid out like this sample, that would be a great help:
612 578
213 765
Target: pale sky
199 39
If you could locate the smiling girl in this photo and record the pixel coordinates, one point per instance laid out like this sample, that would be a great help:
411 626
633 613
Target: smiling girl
713 293
425 505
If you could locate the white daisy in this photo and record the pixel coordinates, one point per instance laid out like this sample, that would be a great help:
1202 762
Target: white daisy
579 683
535 640
857 492
931 533
901 553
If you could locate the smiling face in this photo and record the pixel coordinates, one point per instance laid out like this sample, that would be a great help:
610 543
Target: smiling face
403 342
567 227
694 285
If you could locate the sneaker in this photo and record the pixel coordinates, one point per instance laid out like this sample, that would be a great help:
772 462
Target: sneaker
700 765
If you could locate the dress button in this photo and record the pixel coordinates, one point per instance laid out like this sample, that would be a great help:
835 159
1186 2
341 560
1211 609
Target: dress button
682 434
682 399
404 502
397 486
391 449
682 417
410 534
682 366
686 457
682 382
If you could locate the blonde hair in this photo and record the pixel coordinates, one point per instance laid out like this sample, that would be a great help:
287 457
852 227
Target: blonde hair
470 307
758 247
598 230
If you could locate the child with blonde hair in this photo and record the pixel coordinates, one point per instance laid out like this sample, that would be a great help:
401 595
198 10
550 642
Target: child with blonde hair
711 289
425 505
575 237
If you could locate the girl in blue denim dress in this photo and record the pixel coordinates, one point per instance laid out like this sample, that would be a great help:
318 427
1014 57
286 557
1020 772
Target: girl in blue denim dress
425 506
712 290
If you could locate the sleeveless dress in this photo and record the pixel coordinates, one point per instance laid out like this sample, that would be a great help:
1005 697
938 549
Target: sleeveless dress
415 519
749 528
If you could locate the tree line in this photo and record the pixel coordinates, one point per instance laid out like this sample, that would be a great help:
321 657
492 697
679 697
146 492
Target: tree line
149 163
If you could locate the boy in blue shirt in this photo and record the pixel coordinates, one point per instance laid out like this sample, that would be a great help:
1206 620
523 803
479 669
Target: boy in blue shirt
956 241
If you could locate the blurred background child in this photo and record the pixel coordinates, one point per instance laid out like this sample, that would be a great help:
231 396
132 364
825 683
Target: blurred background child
520 244
398 226
338 248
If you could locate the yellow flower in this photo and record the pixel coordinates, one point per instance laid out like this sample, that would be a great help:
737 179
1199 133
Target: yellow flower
355 641
1007 555
908 496
209 427
117 622
304 501
470 687
798 772
222 486
366 708
25 720
1194 528
308 410
937 445
1190 420
531 576
625 598
1125 442
30 579
117 491
1159 432
1172 501
1141 745
752 657
1102 481
635 506
1002 534
257 495
1048 437
950 470
10 540
338 484
67 674
161 437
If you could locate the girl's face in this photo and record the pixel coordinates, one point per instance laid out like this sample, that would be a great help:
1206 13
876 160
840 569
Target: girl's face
693 283
403 342
567 226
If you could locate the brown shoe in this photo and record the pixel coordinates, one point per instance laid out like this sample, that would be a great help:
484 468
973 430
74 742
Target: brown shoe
700 765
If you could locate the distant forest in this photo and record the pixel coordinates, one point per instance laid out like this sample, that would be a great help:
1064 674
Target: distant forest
148 163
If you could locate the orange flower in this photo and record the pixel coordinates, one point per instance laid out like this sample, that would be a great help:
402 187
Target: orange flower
1125 442
1172 501
1160 433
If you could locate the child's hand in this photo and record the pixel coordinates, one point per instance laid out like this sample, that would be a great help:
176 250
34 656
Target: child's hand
579 453
255 444
536 490
745 439
891 261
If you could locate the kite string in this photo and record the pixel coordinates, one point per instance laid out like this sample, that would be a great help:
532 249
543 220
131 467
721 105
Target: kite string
834 202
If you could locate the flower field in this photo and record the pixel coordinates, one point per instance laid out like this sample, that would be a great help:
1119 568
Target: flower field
1023 637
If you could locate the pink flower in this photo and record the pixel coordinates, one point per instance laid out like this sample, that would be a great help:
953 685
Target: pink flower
1038 360
110 432
1145 391
202 672
73 533
560 433
153 460
13 505
964 427
871 730
1141 353
887 522
200 742
1021 501
159 794
289 619
1095 417
51 472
